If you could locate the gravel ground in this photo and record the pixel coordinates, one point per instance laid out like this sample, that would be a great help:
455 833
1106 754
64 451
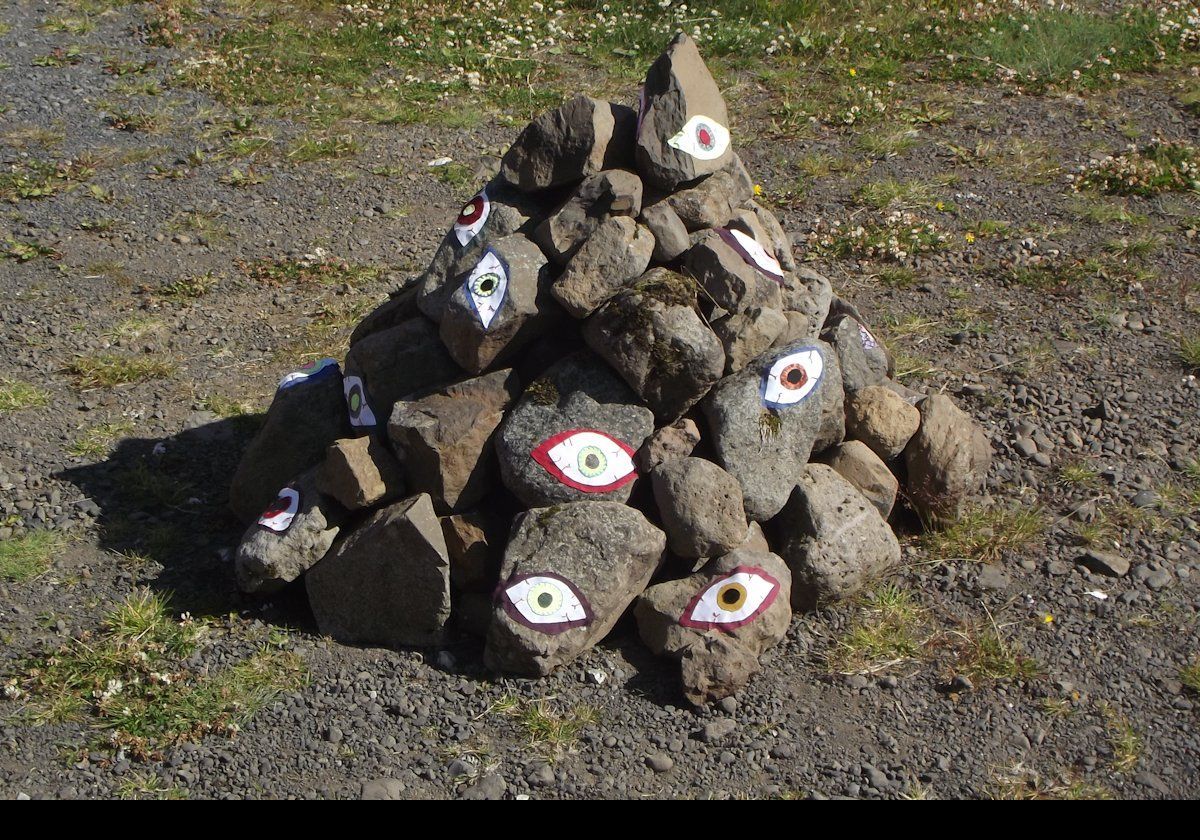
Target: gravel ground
1062 377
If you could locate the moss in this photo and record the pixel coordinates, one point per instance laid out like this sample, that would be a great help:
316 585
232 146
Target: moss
543 392
769 424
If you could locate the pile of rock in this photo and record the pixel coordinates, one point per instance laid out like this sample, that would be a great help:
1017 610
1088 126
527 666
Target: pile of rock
514 443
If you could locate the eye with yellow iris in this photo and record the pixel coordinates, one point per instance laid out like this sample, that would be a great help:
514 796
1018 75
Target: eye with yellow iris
486 286
545 602
356 402
732 601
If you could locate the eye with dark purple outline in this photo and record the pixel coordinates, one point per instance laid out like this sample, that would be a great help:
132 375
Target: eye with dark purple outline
869 342
701 137
587 460
472 217
545 602
791 378
319 367
752 253
361 415
486 287
278 517
731 602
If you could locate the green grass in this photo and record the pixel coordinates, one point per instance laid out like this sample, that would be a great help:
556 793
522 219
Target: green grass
985 655
36 179
1123 740
987 534
1189 351
890 631
148 786
1189 675
308 149
906 195
109 370
131 683
1103 212
24 558
315 269
1134 248
98 440
189 288
139 121
1024 784
1147 170
15 395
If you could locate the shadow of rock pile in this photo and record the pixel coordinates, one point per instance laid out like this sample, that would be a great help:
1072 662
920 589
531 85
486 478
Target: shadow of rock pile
613 386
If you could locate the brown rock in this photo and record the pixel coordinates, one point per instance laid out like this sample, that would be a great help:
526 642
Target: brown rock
359 473
881 419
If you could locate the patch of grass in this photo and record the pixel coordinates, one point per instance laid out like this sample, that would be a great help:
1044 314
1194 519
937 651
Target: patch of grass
130 681
905 195
984 655
148 786
895 237
992 228
1189 675
887 141
1134 248
109 370
1123 740
1022 783
111 269
99 224
147 122
316 268
456 175
1077 474
549 728
1156 167
226 407
308 149
98 440
1189 351
15 395
120 67
132 329
41 179
189 288
890 631
242 178
1102 212
896 277
987 534
75 25
59 57
25 557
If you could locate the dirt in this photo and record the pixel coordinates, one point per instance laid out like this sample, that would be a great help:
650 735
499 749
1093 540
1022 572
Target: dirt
1096 704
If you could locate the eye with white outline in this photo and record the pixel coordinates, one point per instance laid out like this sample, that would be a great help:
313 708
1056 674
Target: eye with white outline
701 137
587 460
868 340
791 378
752 253
487 286
278 517
545 602
472 217
305 372
361 414
731 602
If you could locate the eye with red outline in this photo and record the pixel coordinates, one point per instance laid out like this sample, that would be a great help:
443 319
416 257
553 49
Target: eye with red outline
791 378
868 340
487 286
472 217
587 460
731 602
361 414
278 517
752 253
311 370
701 137
545 602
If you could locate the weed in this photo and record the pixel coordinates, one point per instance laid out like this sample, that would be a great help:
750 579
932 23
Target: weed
1189 675
25 557
15 395
890 631
987 534
109 370
894 237
148 122
189 288
1154 168
1189 351
904 195
1123 739
455 174
983 654
321 148
318 267
98 440
60 57
148 786
1022 783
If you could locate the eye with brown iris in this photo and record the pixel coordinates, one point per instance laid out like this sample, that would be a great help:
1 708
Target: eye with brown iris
793 377
731 597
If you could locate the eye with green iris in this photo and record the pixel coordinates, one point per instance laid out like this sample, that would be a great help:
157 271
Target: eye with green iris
592 461
485 285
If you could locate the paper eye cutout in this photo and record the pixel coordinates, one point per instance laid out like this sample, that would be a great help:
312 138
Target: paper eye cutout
356 401
731 602
702 138
487 286
309 371
868 340
587 460
752 253
791 378
545 602
472 217
642 103
278 517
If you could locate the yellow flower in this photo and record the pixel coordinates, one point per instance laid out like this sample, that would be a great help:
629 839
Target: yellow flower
940 206
853 72
1048 619
758 189
970 237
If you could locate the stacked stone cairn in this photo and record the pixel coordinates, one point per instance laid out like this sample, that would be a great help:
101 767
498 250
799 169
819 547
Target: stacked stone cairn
613 387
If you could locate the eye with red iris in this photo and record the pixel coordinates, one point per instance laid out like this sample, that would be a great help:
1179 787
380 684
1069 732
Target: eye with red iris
791 378
752 253
360 411
472 218
701 137
308 371
587 460
545 602
278 517
731 601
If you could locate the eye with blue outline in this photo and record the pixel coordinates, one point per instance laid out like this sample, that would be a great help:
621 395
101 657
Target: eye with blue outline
472 217
791 378
278 517
701 137
752 253
487 286
587 460
731 602
306 372
361 414
545 602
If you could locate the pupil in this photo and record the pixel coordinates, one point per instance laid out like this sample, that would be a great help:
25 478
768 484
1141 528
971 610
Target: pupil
795 377
730 596
545 600
705 137
486 285
591 461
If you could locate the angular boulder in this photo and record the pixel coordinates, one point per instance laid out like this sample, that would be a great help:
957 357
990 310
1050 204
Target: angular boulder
711 203
614 192
855 462
732 282
475 543
745 335
360 472
675 441
881 419
864 359
671 237
947 459
573 141
617 252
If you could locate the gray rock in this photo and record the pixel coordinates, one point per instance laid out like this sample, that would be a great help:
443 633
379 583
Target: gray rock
500 304
761 223
799 328
864 359
382 789
711 202
359 473
809 293
387 582
444 439
715 667
833 409
562 146
765 419
572 436
474 544
683 129
1105 563
569 572
855 462
398 308
881 419
305 417
490 787
701 507
615 192
660 762
947 459
993 578
675 441
745 335
734 284
617 252
653 337
389 365
833 539
671 237
718 730
290 536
